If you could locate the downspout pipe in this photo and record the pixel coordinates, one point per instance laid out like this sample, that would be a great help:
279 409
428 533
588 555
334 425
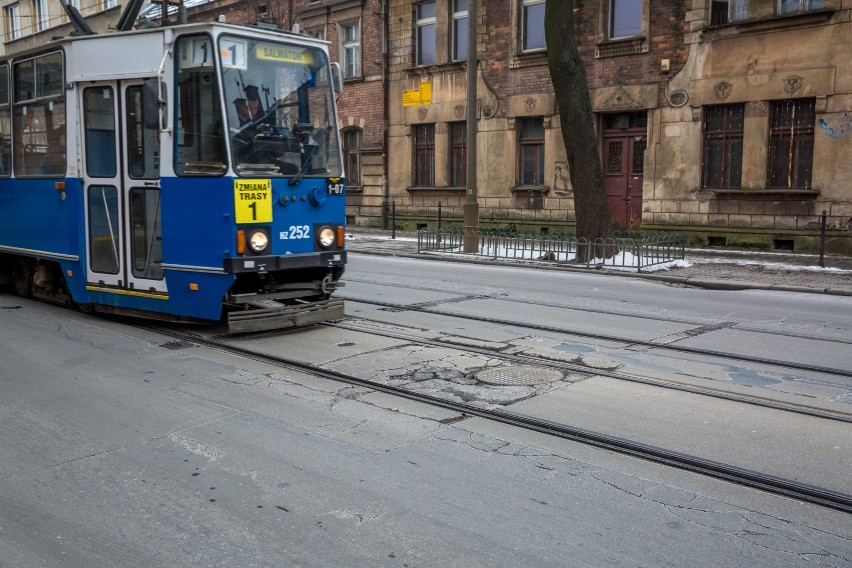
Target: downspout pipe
385 113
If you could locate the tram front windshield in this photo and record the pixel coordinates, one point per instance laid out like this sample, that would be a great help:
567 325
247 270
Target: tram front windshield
279 108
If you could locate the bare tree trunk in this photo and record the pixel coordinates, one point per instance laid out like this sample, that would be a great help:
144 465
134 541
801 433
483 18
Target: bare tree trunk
578 128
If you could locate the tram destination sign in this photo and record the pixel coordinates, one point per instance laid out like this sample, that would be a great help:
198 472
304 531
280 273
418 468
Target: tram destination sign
283 53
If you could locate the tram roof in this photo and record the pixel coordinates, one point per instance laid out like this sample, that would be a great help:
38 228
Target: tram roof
139 53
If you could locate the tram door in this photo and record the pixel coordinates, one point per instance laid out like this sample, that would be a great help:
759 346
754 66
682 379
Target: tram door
121 176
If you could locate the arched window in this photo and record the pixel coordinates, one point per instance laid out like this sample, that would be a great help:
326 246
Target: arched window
352 155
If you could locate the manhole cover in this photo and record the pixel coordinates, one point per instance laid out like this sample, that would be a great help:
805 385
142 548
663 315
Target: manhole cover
520 375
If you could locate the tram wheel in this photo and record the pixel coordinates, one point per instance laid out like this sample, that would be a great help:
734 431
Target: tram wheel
86 308
23 271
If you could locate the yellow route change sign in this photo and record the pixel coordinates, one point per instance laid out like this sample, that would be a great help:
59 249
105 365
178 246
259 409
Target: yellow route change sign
253 200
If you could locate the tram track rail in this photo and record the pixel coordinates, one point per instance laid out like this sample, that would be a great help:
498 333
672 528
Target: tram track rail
775 485
846 373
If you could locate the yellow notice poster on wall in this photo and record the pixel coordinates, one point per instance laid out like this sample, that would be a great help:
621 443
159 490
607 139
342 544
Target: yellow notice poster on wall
417 97
253 200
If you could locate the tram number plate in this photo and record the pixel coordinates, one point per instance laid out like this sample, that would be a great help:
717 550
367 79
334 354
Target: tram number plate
335 186
253 200
295 232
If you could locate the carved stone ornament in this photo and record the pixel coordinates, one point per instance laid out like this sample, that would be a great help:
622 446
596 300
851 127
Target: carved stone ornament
529 104
458 110
793 83
620 100
488 111
678 98
422 112
723 90
756 109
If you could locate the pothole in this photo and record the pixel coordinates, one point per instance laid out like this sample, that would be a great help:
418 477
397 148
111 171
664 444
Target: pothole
519 375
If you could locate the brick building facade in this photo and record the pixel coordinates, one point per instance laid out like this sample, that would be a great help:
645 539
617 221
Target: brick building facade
709 122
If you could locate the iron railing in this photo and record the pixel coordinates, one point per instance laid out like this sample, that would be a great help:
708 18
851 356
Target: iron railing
634 252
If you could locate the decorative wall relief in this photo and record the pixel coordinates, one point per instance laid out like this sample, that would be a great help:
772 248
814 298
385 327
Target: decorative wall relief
723 90
678 98
422 113
458 111
561 179
756 109
620 100
529 105
793 83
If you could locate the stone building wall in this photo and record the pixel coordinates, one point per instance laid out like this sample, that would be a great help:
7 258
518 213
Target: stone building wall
762 60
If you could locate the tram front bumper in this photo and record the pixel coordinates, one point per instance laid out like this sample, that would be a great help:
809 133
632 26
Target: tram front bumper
275 263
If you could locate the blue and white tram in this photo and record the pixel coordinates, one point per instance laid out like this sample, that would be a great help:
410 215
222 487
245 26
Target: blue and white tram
185 173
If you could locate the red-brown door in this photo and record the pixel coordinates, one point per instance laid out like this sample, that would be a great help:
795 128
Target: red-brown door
623 165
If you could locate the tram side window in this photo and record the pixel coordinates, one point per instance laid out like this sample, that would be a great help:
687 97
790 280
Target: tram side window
39 117
143 142
99 120
5 124
201 136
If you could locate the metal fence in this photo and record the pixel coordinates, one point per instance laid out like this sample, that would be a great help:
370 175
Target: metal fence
632 252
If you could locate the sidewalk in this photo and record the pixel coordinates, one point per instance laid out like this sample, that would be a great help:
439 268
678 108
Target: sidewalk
704 268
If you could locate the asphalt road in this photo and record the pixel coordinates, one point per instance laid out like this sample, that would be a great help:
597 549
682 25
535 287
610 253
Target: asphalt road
116 450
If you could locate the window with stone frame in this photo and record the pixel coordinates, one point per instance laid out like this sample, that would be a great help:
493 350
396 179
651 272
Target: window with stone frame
795 6
352 139
726 11
426 23
625 18
530 151
722 155
350 47
532 25
458 154
791 144
13 21
424 155
41 15
460 29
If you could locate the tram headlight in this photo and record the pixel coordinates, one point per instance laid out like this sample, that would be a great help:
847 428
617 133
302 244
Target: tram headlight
326 237
258 241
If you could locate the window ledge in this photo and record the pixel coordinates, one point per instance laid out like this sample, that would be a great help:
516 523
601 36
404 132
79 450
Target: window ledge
761 194
529 59
775 22
437 68
354 189
525 190
621 46
435 189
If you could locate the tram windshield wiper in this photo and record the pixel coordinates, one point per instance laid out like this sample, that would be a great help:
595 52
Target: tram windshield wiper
308 146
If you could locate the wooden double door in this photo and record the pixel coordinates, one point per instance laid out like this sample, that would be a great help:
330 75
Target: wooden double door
625 138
